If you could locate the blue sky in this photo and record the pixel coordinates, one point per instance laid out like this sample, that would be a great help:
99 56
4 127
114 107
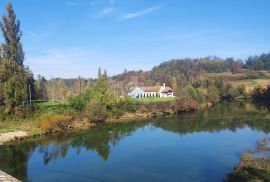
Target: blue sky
67 38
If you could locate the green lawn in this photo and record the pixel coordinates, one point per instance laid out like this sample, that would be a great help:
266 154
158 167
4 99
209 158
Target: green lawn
154 99
54 103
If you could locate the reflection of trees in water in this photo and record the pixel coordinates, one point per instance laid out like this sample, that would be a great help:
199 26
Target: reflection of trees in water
13 159
223 116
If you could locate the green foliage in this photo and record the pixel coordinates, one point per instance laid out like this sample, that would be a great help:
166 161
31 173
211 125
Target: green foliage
16 81
95 111
212 94
261 62
77 103
154 100
193 93
122 105
15 90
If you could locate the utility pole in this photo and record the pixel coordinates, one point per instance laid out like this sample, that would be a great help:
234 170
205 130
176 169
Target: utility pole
30 95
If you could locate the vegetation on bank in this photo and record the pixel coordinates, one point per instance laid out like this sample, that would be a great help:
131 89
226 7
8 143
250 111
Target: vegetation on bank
254 166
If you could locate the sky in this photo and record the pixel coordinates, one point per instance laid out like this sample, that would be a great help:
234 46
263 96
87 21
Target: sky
68 38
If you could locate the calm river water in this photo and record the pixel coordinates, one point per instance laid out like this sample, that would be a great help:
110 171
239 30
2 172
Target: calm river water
200 146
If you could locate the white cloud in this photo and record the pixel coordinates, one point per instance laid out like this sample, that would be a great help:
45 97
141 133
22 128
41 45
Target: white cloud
105 12
139 13
70 3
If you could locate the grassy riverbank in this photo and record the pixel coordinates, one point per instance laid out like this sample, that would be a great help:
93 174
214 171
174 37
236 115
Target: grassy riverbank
56 116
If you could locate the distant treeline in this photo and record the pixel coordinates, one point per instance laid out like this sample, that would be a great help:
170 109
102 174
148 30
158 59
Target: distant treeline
185 71
175 73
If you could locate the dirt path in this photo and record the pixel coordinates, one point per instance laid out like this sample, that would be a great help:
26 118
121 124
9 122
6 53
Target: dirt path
6 137
7 178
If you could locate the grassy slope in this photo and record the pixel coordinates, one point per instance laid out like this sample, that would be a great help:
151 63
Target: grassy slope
237 79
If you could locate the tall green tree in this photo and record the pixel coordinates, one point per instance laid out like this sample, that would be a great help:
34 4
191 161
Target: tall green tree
15 80
12 34
99 72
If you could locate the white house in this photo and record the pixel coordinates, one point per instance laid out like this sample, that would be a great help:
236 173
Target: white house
153 91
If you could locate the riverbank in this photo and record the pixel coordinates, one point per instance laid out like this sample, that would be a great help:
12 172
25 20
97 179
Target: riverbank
254 165
4 177
39 126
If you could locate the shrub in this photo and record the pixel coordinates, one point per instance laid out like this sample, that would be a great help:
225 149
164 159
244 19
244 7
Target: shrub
48 122
181 105
96 112
241 89
77 103
212 94
22 112
193 93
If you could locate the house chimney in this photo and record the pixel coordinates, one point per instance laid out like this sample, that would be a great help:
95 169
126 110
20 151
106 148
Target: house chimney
164 86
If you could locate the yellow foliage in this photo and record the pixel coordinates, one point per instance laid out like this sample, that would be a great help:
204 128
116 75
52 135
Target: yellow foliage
49 122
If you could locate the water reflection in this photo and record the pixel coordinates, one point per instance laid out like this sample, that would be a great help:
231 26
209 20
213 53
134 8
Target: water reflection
224 116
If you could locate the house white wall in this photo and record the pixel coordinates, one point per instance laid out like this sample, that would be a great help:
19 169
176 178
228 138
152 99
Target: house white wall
139 93
136 93
167 94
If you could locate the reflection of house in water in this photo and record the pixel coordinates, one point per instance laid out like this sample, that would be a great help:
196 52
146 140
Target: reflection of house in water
153 91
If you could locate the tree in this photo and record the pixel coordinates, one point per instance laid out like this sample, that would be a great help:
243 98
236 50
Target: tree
174 85
212 94
41 87
193 93
12 35
101 91
105 74
99 72
14 77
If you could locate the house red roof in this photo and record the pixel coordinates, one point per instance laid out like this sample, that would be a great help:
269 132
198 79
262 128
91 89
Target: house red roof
152 89
167 89
132 88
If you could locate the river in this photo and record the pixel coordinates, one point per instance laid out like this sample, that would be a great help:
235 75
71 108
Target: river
201 146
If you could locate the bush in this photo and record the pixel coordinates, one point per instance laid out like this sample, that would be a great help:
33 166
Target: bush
96 112
181 105
77 103
47 122
22 112
241 89
194 94
212 94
